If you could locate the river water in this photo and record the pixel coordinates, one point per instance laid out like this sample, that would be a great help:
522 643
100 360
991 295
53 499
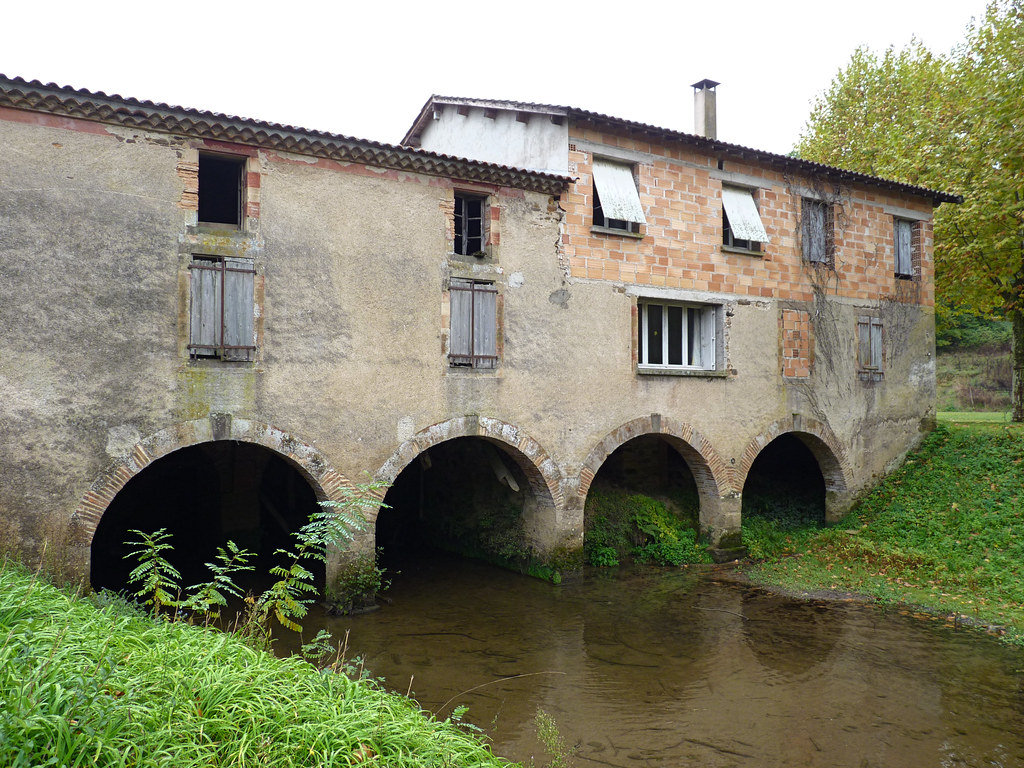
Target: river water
683 667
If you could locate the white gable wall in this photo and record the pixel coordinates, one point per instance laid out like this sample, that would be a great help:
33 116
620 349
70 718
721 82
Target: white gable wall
537 144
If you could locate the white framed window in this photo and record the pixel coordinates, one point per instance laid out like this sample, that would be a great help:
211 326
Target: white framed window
869 344
903 247
222 308
816 231
473 333
676 336
616 199
742 227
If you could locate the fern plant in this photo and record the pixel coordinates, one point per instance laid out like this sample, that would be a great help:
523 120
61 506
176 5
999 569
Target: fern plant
207 599
157 579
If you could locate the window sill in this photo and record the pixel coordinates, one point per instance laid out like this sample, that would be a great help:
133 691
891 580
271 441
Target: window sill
870 375
744 251
702 373
620 232
907 278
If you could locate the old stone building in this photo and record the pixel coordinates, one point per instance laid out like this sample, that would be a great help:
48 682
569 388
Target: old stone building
209 322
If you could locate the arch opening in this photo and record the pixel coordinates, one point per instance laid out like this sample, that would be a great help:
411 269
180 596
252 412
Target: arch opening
468 496
785 484
644 503
205 495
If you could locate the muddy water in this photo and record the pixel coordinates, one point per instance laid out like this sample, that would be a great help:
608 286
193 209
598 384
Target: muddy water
674 668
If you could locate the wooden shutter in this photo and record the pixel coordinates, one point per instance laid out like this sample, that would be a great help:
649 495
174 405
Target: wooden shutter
204 333
239 279
815 240
460 351
876 343
904 262
485 326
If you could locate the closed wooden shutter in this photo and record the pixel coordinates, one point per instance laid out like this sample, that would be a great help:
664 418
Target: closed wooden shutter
473 334
204 334
239 279
904 262
814 231
485 326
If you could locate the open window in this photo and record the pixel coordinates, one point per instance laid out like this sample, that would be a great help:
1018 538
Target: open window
616 199
677 336
473 338
742 227
470 224
221 312
816 230
221 189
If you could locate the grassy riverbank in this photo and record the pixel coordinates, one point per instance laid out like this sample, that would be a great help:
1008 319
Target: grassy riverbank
945 533
85 681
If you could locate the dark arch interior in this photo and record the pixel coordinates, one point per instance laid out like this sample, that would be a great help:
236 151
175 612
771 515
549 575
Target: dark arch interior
465 496
616 519
205 495
785 484
650 465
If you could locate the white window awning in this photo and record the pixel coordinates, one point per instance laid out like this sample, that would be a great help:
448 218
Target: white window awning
744 220
619 198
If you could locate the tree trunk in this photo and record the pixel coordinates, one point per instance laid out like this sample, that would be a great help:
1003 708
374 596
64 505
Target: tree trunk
1017 315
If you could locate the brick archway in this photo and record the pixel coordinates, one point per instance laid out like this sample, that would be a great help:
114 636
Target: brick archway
819 439
712 475
325 481
538 467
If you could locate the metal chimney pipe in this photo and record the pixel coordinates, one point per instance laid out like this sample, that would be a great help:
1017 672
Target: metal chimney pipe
705 122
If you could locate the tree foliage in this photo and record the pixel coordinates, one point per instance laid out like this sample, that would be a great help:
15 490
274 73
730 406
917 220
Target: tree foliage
951 122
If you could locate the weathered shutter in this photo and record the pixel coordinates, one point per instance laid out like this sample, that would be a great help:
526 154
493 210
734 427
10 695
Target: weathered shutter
864 342
485 326
239 282
708 324
460 330
876 343
814 240
904 263
204 334
744 220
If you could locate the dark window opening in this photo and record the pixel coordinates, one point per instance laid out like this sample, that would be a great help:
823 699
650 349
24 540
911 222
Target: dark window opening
221 181
469 225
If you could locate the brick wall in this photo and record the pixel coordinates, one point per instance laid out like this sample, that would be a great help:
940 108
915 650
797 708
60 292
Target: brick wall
680 191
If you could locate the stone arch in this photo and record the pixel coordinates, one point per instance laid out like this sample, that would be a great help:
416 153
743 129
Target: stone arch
712 475
326 482
823 445
538 467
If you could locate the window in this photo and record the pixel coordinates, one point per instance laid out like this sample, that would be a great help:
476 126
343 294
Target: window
676 336
473 342
221 316
616 200
904 248
869 343
221 183
816 232
741 223
470 225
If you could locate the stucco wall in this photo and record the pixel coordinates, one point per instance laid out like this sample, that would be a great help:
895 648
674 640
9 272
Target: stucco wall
351 372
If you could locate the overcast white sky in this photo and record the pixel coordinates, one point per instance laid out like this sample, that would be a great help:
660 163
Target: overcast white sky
365 69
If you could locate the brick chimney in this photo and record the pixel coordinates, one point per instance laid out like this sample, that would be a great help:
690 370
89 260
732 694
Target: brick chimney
704 118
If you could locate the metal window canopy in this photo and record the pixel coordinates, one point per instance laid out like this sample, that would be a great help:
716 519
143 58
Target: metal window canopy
619 196
744 220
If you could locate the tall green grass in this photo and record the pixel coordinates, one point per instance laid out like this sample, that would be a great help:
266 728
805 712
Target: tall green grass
945 532
96 682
